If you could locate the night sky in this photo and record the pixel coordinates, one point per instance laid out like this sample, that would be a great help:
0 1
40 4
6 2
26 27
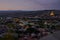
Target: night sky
29 4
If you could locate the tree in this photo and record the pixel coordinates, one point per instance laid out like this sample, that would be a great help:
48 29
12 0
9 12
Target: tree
8 37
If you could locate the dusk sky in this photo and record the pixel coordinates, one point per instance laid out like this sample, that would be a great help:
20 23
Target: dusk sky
29 4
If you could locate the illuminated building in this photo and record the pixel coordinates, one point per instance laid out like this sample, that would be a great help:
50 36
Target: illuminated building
52 13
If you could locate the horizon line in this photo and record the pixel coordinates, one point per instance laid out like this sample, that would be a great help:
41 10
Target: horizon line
29 10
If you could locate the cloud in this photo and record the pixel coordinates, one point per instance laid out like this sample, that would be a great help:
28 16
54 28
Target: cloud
29 4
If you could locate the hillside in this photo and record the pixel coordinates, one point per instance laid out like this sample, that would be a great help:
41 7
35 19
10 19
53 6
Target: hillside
27 13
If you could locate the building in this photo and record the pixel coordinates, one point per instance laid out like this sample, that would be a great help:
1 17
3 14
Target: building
52 13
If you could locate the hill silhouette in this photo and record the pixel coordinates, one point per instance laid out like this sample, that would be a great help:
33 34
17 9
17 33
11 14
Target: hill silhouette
27 13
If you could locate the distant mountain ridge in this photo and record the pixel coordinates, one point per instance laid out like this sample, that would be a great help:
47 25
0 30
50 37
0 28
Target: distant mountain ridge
26 13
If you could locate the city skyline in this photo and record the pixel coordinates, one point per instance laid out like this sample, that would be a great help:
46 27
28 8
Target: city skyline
29 4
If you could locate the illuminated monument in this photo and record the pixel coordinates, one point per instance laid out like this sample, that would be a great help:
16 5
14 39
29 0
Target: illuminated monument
52 13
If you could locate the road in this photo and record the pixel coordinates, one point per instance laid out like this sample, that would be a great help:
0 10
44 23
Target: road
54 36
